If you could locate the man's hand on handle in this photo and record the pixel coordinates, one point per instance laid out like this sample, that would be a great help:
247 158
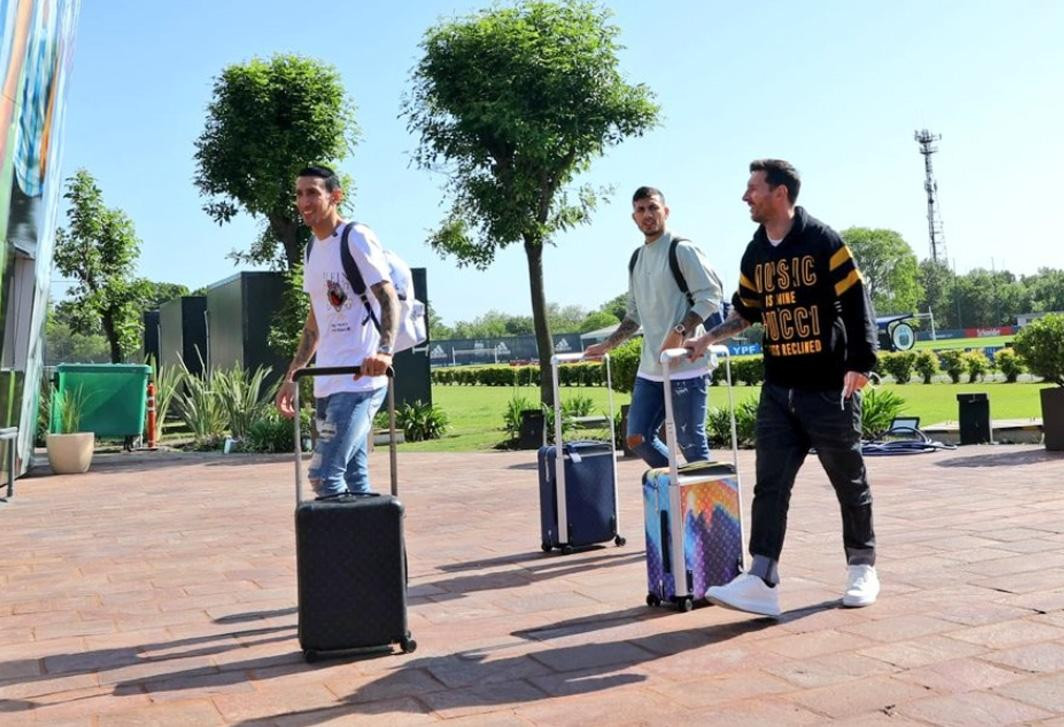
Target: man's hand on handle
596 350
673 339
285 398
853 382
375 365
696 347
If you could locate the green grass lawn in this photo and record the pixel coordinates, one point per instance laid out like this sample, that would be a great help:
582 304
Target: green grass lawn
476 412
944 343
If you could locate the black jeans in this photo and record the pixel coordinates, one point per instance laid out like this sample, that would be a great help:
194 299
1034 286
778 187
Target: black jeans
789 422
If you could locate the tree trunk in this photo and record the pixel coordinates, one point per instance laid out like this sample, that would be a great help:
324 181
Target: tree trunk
108 322
287 231
534 253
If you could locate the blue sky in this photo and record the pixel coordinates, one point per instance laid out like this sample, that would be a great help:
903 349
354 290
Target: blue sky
836 87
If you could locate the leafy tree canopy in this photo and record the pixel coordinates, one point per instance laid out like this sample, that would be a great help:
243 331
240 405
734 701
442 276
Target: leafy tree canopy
267 120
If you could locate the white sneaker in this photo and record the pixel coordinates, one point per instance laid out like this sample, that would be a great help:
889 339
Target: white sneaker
746 593
862 586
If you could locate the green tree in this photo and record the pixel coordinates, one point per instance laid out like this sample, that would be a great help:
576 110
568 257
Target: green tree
937 281
598 319
986 298
99 250
518 101
438 330
63 345
616 306
565 319
489 325
1046 290
267 120
287 324
889 267
158 293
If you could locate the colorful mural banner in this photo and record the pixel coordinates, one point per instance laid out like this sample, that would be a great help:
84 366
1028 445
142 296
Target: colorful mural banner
35 59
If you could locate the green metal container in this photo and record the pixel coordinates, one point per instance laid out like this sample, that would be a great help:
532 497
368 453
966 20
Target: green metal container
114 397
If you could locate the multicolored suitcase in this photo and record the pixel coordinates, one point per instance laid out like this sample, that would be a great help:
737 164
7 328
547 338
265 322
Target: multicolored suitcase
692 515
577 491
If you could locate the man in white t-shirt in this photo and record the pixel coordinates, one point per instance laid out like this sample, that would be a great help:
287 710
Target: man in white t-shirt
340 331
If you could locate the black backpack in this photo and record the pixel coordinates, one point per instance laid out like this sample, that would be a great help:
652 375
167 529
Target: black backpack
714 319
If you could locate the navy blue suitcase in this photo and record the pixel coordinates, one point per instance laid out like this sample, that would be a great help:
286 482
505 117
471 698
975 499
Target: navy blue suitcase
590 498
578 501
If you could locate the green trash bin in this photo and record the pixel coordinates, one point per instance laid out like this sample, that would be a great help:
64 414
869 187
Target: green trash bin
114 397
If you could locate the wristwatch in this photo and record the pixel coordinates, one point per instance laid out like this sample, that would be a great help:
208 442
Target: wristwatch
385 349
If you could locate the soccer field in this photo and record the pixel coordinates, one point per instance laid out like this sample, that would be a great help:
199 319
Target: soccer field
476 412
943 343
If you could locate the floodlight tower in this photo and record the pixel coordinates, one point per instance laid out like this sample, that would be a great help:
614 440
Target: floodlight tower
926 140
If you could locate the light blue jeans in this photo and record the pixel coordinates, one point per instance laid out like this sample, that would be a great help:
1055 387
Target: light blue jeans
647 413
344 421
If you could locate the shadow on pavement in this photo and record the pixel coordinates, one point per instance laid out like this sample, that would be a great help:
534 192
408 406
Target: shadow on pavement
1003 459
543 568
459 681
105 661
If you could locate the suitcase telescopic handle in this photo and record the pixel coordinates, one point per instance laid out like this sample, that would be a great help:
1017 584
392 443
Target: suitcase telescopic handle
337 371
559 460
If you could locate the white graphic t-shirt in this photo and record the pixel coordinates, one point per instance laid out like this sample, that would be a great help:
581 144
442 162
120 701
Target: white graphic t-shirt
346 334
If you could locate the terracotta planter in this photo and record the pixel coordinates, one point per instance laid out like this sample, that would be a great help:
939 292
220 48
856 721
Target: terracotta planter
1053 417
70 454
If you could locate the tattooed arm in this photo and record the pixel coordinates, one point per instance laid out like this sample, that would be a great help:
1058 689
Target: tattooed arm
624 331
732 325
308 343
378 363
675 339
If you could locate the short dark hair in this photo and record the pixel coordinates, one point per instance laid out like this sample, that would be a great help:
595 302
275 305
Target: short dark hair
332 182
777 172
646 193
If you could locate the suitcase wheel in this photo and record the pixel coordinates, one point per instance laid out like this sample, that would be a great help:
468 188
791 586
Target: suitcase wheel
653 600
566 549
546 546
310 656
685 604
407 644
619 541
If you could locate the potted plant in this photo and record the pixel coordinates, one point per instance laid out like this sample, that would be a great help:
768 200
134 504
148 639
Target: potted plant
69 450
1041 345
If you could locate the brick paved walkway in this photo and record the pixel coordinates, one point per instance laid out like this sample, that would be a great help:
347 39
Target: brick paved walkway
163 593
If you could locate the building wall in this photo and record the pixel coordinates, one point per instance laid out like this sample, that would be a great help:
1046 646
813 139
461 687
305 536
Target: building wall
36 51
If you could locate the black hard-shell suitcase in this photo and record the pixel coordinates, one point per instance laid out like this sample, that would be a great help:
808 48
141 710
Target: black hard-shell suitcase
350 561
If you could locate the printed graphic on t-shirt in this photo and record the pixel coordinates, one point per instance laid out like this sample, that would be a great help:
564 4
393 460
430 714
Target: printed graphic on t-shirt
339 301
790 329
336 294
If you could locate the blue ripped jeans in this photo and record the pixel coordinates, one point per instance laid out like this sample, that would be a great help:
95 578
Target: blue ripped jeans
647 413
344 421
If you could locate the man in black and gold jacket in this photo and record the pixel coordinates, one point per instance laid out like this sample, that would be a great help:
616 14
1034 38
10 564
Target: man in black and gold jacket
800 281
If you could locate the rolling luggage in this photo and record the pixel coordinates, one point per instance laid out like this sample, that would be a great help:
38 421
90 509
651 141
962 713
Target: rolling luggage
692 515
350 560
578 491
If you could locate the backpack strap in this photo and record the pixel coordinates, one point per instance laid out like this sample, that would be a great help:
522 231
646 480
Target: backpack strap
674 266
354 276
309 247
677 274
